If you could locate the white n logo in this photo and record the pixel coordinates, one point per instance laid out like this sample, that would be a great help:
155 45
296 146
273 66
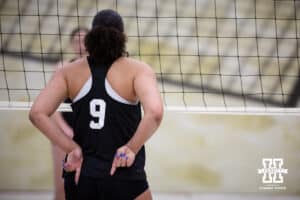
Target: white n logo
272 170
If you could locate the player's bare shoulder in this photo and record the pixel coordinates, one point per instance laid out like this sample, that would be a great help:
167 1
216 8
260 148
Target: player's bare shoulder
68 70
75 66
61 65
138 66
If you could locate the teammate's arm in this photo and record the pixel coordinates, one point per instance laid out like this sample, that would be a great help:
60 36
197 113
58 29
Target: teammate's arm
45 105
145 86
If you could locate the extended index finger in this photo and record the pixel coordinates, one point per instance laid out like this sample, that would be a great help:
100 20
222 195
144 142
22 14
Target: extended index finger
77 175
113 167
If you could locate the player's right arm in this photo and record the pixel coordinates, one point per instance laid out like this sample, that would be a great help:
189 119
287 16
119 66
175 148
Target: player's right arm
57 116
45 105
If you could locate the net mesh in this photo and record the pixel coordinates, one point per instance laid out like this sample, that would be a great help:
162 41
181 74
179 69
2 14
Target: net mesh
207 54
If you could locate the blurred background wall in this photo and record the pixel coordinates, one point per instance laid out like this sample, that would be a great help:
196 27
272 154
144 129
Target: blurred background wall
205 53
189 153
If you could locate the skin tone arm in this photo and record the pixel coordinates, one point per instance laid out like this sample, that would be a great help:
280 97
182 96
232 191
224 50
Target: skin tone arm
77 43
146 89
45 105
57 154
57 116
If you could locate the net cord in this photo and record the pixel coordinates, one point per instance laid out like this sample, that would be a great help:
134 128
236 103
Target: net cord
25 106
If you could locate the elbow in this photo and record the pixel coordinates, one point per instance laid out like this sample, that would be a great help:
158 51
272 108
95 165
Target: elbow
34 116
156 114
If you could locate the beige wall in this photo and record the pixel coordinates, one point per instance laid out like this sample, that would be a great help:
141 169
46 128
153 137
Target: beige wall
190 152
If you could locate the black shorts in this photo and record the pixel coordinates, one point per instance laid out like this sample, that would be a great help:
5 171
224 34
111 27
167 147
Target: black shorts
109 188
69 185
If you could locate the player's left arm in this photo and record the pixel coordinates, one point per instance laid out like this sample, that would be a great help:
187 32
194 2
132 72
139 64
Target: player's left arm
146 88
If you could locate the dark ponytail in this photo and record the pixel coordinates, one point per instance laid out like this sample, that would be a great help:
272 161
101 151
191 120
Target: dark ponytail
105 44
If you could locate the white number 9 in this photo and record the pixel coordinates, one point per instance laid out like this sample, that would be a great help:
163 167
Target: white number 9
97 113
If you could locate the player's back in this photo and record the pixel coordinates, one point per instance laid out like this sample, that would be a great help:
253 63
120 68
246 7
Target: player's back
121 76
107 114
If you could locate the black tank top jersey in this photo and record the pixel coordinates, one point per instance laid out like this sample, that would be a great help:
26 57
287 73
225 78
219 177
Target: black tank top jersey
68 116
102 125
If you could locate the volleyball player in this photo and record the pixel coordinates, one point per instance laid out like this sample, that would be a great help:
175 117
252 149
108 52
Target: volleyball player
65 189
107 89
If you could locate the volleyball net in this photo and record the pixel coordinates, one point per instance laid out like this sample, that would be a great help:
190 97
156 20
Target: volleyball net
209 55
